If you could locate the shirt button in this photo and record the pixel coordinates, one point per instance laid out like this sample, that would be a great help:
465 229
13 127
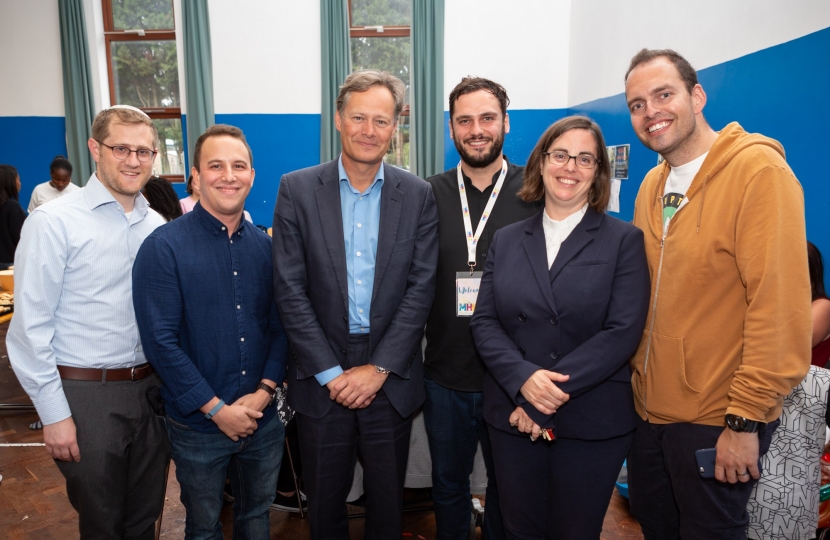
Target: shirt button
242 339
360 282
358 254
231 241
234 273
359 225
360 311
223 228
238 307
360 198
243 373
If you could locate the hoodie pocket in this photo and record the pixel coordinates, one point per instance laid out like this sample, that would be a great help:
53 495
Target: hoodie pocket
668 393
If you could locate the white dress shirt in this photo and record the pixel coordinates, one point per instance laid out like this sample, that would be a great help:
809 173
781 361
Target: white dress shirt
73 292
557 231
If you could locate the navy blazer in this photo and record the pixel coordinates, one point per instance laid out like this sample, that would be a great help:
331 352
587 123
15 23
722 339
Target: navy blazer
583 317
313 296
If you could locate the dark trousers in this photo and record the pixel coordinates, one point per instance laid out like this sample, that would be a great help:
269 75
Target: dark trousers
555 490
118 486
667 495
455 425
203 460
329 448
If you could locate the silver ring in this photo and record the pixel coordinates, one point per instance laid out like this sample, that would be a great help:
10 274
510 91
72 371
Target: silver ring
743 474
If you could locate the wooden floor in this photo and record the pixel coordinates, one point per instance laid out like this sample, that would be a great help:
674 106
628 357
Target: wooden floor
34 506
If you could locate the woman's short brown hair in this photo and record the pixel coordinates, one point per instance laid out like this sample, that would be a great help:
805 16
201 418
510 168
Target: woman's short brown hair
533 188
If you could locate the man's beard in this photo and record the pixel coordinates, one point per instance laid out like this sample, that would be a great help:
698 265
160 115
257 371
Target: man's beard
479 161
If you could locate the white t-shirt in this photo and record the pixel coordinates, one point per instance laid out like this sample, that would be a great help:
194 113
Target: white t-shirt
45 192
678 182
557 231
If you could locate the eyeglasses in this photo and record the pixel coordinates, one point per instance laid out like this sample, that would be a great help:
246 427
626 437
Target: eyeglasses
583 161
122 152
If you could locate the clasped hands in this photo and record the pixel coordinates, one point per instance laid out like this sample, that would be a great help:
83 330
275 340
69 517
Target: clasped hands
238 420
356 387
541 392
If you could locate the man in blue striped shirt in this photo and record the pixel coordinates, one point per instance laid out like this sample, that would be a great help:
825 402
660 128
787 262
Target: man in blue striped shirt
204 300
74 343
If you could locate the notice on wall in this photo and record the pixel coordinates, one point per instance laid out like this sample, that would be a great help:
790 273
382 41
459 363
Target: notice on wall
618 158
614 201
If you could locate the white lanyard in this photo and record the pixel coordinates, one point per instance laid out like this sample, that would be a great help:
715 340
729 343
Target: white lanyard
472 239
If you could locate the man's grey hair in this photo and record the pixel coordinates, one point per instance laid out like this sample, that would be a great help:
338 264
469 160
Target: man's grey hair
361 81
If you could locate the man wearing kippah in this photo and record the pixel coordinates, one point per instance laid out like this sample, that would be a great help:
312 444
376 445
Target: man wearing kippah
74 343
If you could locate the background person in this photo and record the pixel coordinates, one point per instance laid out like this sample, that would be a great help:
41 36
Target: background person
192 198
820 308
60 184
11 215
162 197
561 309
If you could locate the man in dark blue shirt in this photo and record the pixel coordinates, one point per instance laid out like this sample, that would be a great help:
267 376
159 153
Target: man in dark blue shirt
204 301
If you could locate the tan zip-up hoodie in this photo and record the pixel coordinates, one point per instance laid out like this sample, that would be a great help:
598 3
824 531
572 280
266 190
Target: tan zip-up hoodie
729 321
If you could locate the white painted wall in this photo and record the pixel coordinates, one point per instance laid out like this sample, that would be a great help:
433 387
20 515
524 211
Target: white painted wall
266 56
606 34
523 45
31 76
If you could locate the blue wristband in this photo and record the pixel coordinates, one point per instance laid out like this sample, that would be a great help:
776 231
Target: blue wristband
215 409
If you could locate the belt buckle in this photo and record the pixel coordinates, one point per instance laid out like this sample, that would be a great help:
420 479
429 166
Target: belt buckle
132 374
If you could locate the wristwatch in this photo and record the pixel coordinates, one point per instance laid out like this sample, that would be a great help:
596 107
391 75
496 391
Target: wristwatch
271 391
384 371
742 425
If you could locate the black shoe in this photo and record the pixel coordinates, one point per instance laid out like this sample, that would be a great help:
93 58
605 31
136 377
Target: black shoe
288 503
227 494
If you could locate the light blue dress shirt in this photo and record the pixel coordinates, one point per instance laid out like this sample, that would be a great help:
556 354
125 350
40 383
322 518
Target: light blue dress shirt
73 292
361 223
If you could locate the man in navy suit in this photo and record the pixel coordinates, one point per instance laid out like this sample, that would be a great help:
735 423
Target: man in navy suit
355 247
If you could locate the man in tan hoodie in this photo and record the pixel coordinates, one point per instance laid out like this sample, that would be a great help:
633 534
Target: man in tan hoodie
728 331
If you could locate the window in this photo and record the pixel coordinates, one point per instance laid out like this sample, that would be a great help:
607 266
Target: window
144 72
379 32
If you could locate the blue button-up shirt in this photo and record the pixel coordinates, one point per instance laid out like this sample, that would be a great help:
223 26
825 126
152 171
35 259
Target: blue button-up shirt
361 223
73 298
206 311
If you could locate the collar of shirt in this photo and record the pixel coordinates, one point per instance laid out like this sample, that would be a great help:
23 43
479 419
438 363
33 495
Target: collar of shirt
96 195
213 225
557 231
345 177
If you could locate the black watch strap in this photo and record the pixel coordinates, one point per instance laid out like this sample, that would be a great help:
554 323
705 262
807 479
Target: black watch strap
271 391
742 425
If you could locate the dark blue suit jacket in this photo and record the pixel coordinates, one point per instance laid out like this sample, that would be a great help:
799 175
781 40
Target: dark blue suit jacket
583 317
313 296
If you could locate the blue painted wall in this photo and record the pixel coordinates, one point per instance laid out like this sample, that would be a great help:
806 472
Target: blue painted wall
30 143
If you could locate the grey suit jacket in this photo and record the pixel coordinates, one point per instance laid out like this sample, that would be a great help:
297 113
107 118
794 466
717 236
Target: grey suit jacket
312 293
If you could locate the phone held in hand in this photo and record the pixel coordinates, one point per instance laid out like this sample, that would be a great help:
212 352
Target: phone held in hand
706 462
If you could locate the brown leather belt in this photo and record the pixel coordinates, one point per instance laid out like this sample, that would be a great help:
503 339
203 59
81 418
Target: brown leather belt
123 374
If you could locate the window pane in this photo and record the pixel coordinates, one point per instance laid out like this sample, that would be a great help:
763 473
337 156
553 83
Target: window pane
146 14
170 159
146 73
385 54
381 12
398 154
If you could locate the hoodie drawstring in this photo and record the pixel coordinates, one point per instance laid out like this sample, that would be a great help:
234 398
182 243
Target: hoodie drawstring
702 200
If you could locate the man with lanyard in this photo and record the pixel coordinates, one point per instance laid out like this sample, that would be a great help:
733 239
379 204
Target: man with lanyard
474 199
74 343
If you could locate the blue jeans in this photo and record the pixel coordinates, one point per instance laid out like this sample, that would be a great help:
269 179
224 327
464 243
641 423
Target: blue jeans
455 426
202 463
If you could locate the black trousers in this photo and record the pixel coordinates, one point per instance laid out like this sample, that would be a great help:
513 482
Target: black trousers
118 486
667 495
555 490
329 447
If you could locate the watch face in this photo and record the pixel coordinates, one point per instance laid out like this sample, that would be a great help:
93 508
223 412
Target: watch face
735 423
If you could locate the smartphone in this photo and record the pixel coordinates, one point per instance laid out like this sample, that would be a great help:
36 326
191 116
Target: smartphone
706 462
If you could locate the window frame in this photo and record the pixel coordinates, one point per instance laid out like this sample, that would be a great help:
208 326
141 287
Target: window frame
111 34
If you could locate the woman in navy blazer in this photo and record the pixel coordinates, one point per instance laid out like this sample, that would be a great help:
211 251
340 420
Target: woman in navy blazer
556 340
